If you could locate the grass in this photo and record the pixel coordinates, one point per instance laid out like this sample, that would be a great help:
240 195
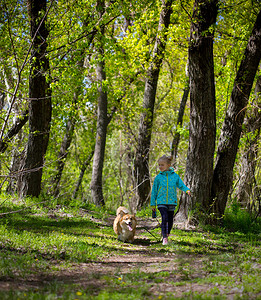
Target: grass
65 253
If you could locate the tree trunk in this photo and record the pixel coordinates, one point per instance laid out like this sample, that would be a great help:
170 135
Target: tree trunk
19 120
102 121
102 124
199 166
17 158
176 138
14 130
232 127
245 188
40 102
67 139
2 100
83 169
141 163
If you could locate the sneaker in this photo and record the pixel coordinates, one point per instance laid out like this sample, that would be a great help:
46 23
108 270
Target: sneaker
165 241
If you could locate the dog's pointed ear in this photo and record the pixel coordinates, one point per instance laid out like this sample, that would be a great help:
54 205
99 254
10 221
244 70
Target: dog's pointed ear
122 213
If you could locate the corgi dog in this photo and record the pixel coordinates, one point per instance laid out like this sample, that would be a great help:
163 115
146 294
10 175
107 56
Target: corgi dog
124 225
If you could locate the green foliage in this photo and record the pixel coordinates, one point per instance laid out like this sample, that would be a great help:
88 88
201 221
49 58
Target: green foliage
228 45
238 219
74 36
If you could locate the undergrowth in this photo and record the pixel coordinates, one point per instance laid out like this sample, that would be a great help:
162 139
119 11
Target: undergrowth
237 219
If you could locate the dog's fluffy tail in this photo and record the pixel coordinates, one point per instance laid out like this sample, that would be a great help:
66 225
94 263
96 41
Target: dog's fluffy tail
122 211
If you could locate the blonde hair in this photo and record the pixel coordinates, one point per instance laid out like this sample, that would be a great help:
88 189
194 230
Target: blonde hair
167 159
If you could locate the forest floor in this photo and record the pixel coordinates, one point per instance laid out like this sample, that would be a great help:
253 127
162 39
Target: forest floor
196 264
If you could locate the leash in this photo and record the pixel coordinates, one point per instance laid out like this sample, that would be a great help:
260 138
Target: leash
152 233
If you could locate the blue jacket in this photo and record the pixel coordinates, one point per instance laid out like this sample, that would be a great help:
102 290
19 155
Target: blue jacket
164 189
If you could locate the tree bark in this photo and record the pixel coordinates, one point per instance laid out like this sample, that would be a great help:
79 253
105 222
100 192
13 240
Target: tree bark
2 100
83 169
102 121
232 127
67 139
17 158
14 130
102 124
200 157
40 102
141 163
176 138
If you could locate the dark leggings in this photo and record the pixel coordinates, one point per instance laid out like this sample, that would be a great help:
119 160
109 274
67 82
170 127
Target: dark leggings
167 221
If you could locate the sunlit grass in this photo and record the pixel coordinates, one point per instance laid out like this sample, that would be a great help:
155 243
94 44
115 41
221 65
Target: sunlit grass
45 241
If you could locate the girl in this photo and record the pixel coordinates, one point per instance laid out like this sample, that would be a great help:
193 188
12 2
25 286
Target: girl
164 194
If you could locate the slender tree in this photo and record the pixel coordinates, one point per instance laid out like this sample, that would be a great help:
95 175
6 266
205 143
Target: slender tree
19 122
102 119
2 99
176 138
84 166
246 187
64 150
141 163
232 126
12 83
39 103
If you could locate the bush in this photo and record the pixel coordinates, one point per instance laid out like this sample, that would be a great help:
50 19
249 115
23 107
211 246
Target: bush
238 219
